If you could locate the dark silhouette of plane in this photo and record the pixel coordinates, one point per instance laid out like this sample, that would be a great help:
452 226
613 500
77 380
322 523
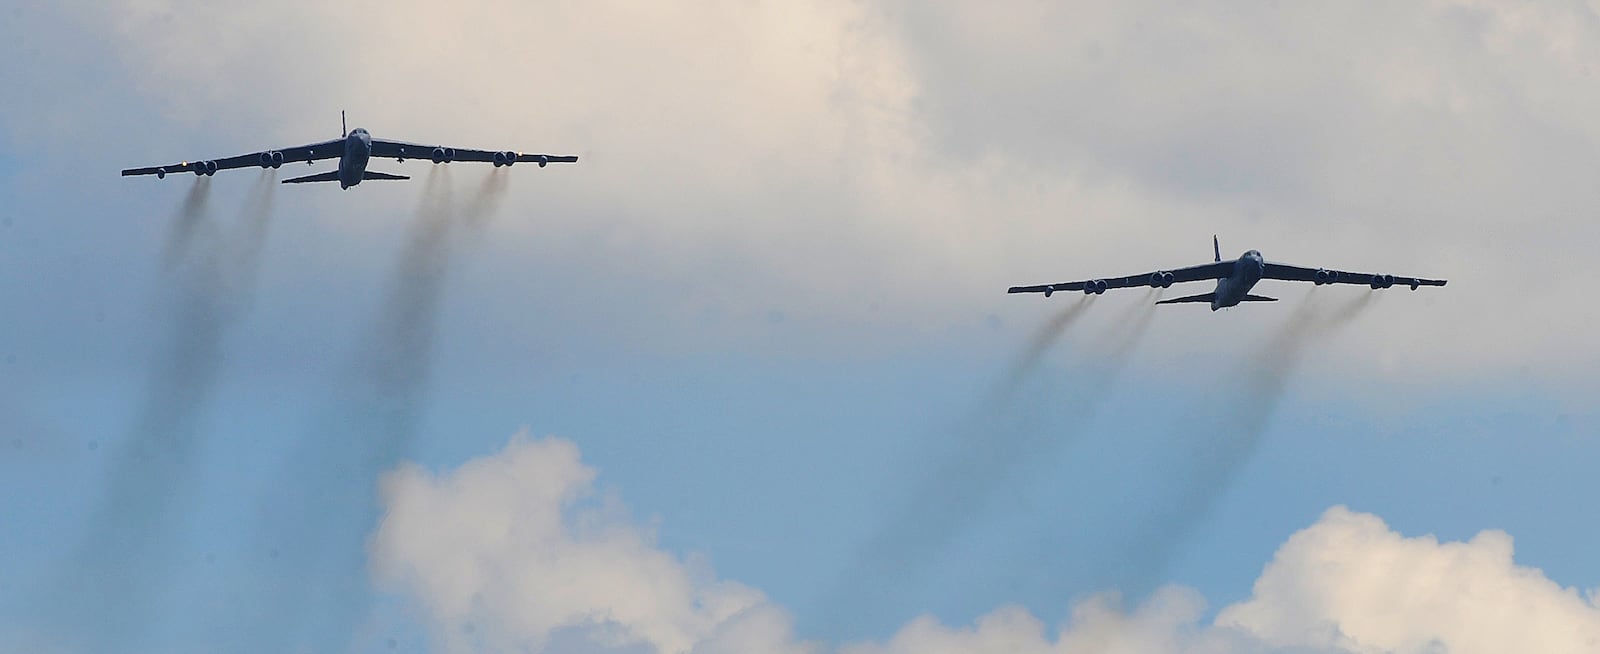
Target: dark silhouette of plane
353 149
1235 278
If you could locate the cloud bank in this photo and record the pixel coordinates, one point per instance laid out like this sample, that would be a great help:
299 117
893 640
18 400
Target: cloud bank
934 153
519 550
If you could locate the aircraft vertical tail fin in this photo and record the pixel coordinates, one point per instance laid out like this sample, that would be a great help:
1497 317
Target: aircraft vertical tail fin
1216 248
343 130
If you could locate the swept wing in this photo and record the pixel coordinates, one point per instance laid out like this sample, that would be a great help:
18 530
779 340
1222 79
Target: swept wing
402 150
1214 270
1328 276
266 158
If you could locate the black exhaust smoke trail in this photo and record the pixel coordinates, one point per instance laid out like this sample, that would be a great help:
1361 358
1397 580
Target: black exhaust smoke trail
189 218
332 503
254 226
486 201
120 571
1027 361
396 370
1219 445
1007 431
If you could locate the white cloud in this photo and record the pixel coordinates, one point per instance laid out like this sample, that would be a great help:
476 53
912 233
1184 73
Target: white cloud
517 546
508 545
1350 581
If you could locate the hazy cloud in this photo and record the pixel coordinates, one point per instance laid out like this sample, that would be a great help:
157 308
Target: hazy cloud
729 148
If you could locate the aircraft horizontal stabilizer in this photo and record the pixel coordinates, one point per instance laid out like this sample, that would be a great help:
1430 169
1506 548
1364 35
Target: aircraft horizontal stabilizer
1258 298
373 174
330 176
1203 297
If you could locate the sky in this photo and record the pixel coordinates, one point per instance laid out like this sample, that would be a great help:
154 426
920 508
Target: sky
745 378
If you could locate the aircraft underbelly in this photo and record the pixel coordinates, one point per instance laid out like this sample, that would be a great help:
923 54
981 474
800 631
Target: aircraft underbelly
352 167
1232 290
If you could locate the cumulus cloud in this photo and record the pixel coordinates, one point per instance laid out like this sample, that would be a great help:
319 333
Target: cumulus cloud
1351 582
519 549
515 546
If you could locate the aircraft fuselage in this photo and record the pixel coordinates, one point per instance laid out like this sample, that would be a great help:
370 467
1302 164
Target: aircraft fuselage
1231 290
353 163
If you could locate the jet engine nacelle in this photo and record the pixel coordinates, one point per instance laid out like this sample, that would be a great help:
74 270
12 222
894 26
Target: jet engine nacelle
205 168
1049 290
504 158
1323 276
161 173
1161 279
1382 281
211 168
1094 287
543 161
271 159
443 155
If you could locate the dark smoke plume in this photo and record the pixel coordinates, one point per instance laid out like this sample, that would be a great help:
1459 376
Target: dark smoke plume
331 503
393 372
255 222
120 571
1009 429
1027 361
486 201
1218 443
188 219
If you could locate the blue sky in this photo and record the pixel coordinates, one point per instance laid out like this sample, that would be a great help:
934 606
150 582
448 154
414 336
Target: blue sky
765 311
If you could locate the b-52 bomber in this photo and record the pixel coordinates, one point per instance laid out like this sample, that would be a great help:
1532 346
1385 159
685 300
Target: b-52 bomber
353 149
1235 278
